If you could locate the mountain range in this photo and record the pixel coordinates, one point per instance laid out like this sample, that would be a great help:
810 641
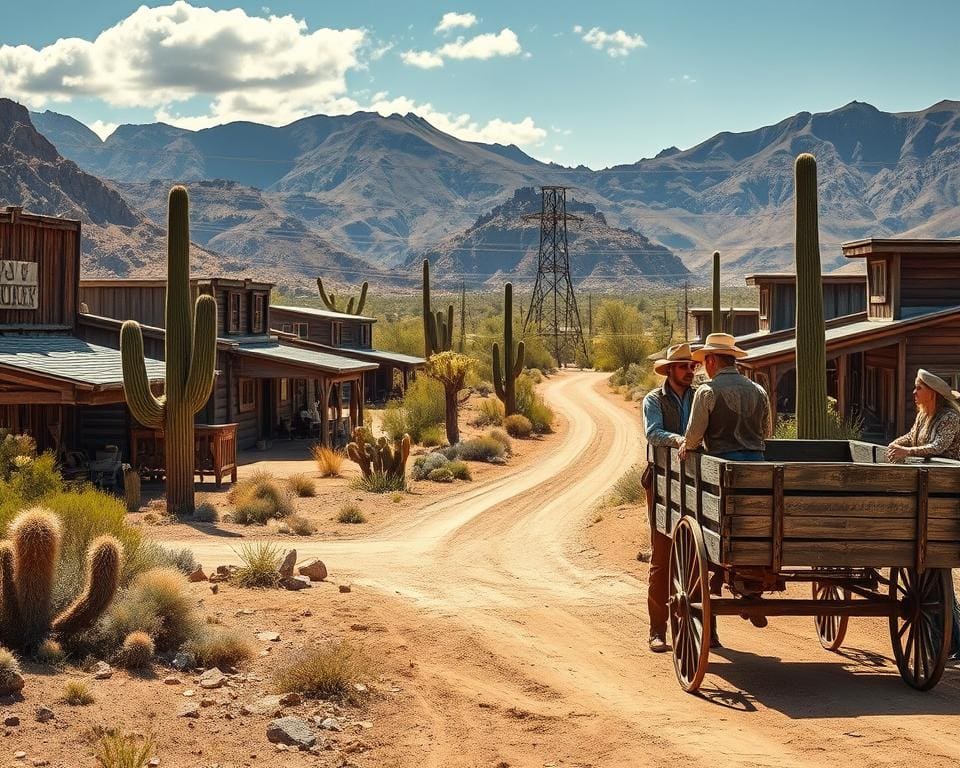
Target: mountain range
360 194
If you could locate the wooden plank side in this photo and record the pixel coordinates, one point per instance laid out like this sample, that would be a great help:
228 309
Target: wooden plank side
850 554
711 542
850 528
850 478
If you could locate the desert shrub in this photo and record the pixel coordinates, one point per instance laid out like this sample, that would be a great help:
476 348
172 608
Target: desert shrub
483 387
298 525
423 406
459 470
137 650
33 478
433 436
113 749
259 498
378 483
424 465
489 413
620 338
205 513
394 421
329 461
12 448
518 425
325 671
482 448
302 485
9 668
396 498
260 563
840 427
50 652
531 405
503 438
536 354
181 558
218 647
76 693
441 475
351 513
628 489
158 603
535 375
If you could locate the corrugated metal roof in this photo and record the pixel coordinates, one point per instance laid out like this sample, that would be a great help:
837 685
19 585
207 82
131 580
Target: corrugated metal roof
325 313
389 357
302 356
71 359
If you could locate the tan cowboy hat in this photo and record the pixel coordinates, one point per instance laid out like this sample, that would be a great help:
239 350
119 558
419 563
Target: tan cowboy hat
938 385
719 344
678 353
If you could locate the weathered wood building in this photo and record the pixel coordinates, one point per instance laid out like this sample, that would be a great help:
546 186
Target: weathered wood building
843 294
350 336
746 320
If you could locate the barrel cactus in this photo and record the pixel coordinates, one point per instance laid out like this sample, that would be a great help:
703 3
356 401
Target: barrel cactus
505 380
191 347
437 327
330 300
812 417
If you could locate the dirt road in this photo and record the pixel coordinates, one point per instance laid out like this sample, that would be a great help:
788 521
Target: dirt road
497 588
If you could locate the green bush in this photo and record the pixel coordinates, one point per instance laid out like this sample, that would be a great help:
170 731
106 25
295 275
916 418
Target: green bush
482 448
260 564
840 427
531 405
459 470
158 603
423 406
351 514
394 421
424 465
34 478
489 413
182 558
433 436
518 425
113 749
76 693
628 489
621 339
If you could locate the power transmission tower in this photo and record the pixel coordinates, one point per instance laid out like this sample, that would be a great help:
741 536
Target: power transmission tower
553 306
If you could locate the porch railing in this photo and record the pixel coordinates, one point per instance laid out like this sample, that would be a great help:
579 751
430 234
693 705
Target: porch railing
215 452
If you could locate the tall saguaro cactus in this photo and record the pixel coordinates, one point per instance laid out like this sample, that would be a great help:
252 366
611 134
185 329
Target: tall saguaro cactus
437 327
191 348
505 380
812 417
330 300
716 315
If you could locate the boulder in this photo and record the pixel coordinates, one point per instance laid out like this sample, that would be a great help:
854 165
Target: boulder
313 569
212 678
197 575
289 561
292 732
295 583
102 671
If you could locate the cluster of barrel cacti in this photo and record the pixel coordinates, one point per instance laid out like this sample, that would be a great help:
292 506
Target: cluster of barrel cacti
380 457
505 380
191 346
437 326
353 307
28 564
813 421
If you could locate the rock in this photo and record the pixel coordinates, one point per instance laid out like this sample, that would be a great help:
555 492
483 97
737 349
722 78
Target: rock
344 588
102 671
313 569
216 578
365 724
500 460
289 561
359 687
291 731
328 723
245 612
356 746
291 699
212 678
359 627
214 588
184 661
45 714
223 570
188 692
268 705
11 683
38 761
154 762
19 755
197 575
269 637
643 556
11 720
171 680
189 710
294 583
207 702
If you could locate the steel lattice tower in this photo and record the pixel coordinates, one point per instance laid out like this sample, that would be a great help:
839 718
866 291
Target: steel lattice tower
553 306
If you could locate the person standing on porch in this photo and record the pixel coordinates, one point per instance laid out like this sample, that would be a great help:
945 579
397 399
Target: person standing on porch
666 411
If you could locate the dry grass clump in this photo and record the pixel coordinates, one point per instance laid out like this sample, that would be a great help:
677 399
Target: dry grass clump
260 563
460 470
76 693
221 648
489 413
205 513
159 604
302 485
503 438
297 525
329 461
51 653
137 651
483 448
259 498
629 489
518 425
114 749
435 434
351 514
325 671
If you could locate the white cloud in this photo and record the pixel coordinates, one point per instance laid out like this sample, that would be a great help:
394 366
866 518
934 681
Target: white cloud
486 46
102 129
454 20
421 59
379 52
687 79
615 44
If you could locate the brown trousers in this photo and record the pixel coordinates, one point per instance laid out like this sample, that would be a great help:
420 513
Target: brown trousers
659 576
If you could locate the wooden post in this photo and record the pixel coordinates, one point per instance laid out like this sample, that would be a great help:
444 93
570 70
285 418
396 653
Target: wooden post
923 483
900 382
777 558
842 386
773 395
325 412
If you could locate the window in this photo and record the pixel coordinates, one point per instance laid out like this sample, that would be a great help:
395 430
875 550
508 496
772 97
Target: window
233 314
878 282
870 388
257 314
764 303
248 395
286 328
365 335
336 334
302 330
284 390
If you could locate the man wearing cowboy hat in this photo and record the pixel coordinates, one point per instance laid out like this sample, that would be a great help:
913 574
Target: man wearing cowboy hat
666 411
730 415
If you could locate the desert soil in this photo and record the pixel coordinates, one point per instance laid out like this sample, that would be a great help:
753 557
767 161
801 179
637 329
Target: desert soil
507 624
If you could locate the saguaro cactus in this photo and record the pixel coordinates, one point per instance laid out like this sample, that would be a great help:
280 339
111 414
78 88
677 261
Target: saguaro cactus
812 417
380 457
716 315
505 380
104 559
36 536
330 300
191 347
437 327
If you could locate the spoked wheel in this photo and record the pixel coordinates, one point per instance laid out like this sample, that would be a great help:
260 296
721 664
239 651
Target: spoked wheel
921 631
689 605
830 629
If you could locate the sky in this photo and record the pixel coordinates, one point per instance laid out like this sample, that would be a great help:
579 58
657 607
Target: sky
597 84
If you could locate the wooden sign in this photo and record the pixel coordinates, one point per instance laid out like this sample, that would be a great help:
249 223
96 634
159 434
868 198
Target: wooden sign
18 284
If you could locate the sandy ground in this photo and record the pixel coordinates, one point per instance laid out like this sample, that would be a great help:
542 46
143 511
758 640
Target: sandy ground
512 622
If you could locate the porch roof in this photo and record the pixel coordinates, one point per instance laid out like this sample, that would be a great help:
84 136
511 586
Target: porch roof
305 358
324 313
383 356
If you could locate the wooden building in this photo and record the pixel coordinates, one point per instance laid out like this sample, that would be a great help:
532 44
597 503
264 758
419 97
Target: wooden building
746 320
267 388
911 321
350 336
843 294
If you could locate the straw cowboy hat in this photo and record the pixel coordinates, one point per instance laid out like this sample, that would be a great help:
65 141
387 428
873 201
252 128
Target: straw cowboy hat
938 385
719 344
678 353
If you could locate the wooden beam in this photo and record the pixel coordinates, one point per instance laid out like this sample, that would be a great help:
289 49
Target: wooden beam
900 382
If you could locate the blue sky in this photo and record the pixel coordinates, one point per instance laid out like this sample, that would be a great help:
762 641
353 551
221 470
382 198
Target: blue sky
597 84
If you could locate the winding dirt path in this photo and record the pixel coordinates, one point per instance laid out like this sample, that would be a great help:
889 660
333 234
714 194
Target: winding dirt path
564 638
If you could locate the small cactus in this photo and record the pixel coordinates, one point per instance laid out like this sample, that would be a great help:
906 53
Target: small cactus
36 537
330 300
380 458
9 610
437 327
505 381
137 651
104 560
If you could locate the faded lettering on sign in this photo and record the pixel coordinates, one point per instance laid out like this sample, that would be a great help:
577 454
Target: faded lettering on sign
18 284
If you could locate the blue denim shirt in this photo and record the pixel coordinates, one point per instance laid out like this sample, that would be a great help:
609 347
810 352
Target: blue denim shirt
657 436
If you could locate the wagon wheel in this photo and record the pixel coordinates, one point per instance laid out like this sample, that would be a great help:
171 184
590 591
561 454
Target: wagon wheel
830 629
689 605
921 630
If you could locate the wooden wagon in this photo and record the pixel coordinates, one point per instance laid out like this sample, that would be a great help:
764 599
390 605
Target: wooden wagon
872 539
